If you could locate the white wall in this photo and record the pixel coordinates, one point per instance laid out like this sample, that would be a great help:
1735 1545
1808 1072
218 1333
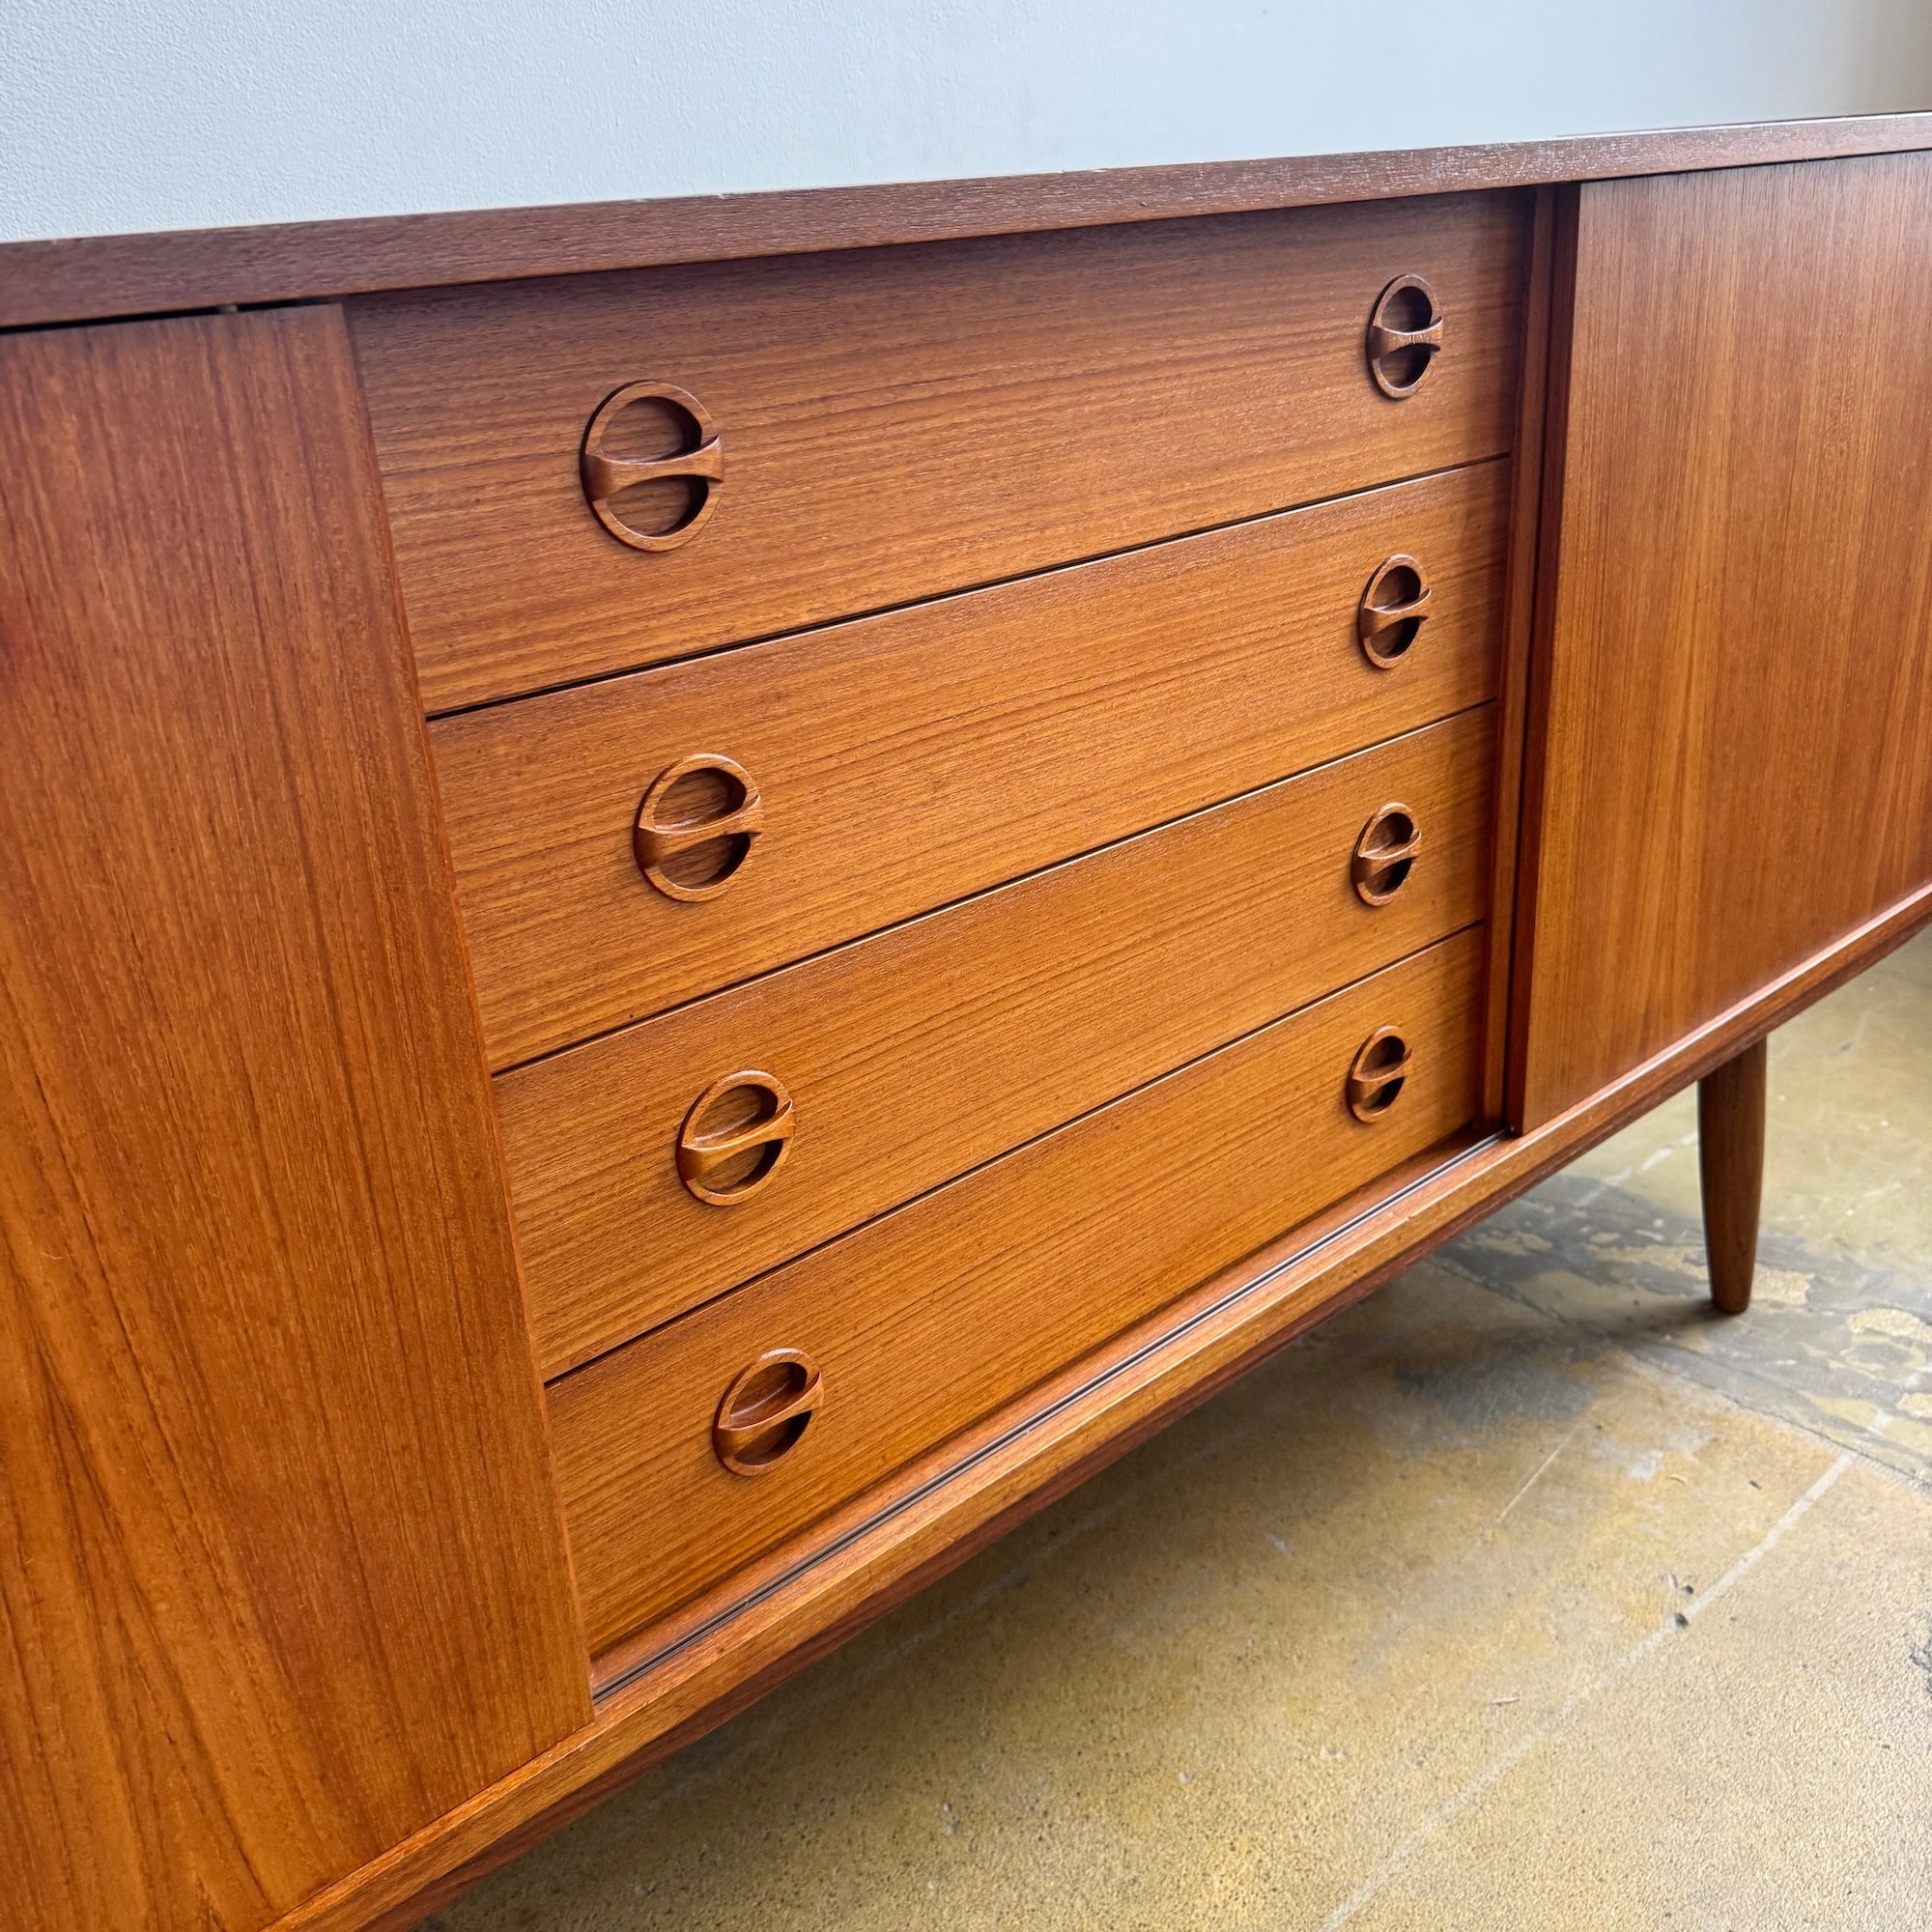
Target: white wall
118 115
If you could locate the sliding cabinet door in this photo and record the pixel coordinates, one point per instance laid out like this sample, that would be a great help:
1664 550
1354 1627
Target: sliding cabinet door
1731 757
281 1570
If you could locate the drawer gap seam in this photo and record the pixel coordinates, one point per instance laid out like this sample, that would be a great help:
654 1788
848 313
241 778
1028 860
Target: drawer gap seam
1019 1147
870 611
899 1505
1161 826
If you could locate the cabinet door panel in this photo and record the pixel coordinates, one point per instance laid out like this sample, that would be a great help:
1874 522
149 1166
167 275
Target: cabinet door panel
281 1566
1735 765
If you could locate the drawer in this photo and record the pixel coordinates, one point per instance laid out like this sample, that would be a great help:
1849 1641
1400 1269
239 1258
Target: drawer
904 760
933 1316
891 423
912 1056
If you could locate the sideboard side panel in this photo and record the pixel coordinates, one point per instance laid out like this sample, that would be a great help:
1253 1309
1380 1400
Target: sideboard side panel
281 1568
1735 756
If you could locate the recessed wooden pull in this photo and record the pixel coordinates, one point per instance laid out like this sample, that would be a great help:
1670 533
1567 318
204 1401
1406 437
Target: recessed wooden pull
1394 607
1378 1074
735 1137
696 826
1404 335
622 482
766 1410
1385 854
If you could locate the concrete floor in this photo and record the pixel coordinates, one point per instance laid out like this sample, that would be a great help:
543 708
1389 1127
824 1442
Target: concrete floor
1525 1593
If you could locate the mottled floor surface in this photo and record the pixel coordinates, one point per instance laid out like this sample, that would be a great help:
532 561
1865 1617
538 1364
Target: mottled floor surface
1527 1594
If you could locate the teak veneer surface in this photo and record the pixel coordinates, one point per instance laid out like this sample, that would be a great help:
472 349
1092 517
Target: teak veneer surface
908 760
281 1568
913 1055
937 1314
1737 761
293 1630
900 423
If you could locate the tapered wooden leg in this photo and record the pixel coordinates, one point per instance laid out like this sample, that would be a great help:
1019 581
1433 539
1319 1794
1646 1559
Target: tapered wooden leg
1730 1162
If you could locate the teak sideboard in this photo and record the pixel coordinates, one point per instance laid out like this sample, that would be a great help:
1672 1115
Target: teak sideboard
696 897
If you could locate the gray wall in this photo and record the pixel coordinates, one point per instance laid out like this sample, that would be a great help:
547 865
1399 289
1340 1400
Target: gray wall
120 115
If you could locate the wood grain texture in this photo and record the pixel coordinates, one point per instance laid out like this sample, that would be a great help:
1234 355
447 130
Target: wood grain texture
1737 758
899 422
935 1315
144 274
281 1563
908 760
807 1609
1534 776
939 1509
1513 699
1730 1169
919 1053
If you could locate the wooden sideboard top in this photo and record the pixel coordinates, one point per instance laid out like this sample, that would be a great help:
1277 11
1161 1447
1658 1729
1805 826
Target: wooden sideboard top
101 276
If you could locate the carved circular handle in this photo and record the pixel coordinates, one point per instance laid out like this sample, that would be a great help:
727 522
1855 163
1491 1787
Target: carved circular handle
620 483
1385 854
1394 607
1404 335
1378 1074
696 826
766 1410
735 1138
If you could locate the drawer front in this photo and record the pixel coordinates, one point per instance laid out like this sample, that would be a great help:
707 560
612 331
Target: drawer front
891 423
935 1315
912 1056
905 760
